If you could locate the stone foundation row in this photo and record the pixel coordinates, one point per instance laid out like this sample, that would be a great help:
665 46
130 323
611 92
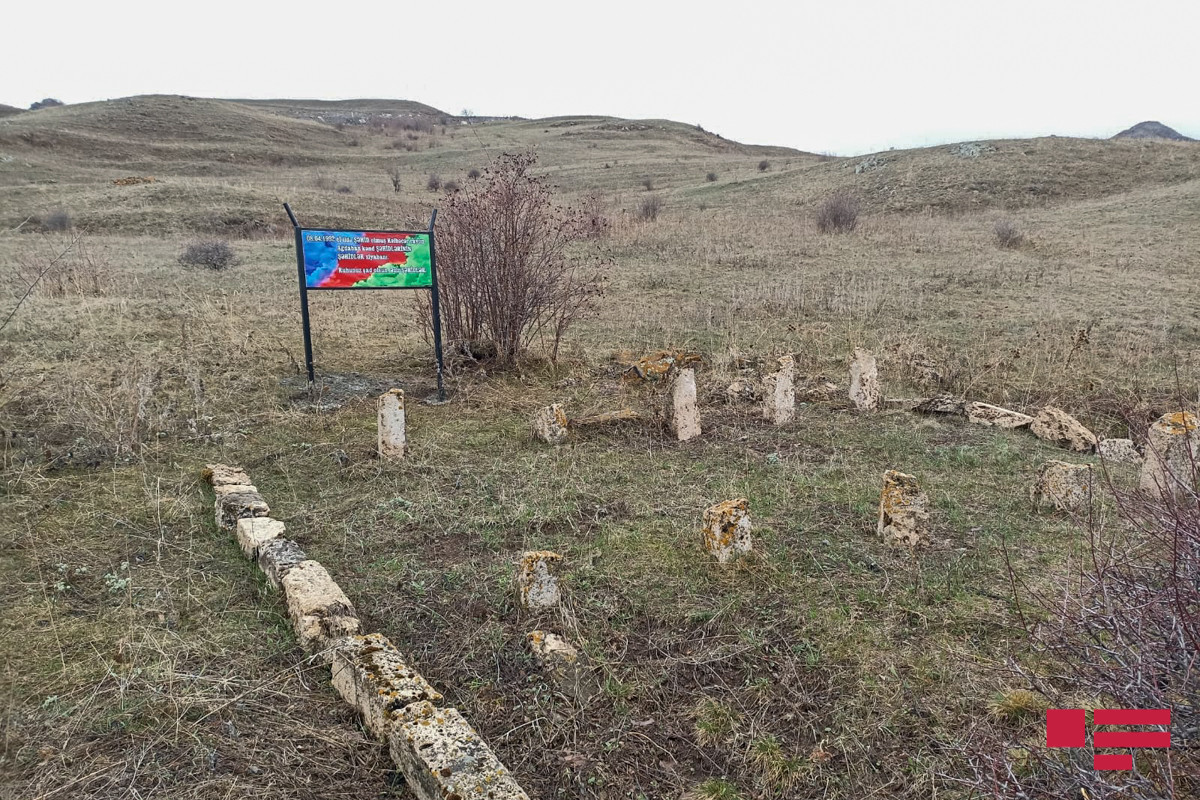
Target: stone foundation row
434 747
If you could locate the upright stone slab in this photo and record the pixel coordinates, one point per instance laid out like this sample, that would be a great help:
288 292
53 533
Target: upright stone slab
370 675
903 511
727 530
321 613
997 417
231 507
1119 451
254 532
391 424
1172 446
1058 427
550 424
864 380
779 393
537 579
1067 487
442 757
564 665
683 412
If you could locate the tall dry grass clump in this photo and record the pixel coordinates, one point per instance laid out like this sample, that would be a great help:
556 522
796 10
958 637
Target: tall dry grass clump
838 213
506 275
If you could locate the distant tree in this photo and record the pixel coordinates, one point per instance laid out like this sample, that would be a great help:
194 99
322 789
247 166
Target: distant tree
48 102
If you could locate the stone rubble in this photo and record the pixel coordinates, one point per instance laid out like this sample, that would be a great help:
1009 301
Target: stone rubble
997 417
1058 427
565 665
1119 451
1066 487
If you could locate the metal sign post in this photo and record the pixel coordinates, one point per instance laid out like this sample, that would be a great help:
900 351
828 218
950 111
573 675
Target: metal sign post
334 259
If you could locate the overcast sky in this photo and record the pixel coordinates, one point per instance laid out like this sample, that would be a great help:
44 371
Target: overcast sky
835 76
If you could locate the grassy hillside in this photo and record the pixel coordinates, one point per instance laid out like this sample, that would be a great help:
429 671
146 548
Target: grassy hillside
142 654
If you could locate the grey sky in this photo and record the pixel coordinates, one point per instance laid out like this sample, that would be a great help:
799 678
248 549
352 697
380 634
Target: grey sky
845 77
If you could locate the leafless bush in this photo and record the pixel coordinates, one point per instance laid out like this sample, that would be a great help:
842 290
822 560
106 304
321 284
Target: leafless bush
764 165
838 214
324 182
473 173
452 186
434 183
1007 234
396 177
647 183
214 254
58 221
503 268
596 215
710 177
1124 631
650 208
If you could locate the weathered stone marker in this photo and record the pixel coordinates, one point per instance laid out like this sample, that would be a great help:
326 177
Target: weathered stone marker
1067 487
223 474
321 613
254 532
1060 428
903 511
1172 446
391 424
441 757
564 664
997 417
727 529
864 380
550 424
537 579
779 393
683 412
370 675
233 506
1119 451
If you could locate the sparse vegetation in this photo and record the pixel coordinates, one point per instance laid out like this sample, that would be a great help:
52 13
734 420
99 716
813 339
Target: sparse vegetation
214 254
397 178
764 165
838 213
48 102
1007 234
58 221
710 177
650 208
648 184
473 173
434 183
451 186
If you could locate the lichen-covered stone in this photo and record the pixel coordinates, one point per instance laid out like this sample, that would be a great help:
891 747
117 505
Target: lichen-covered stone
321 613
220 490
997 417
779 393
443 758
565 665
727 529
221 474
683 411
537 580
744 391
1119 451
276 557
550 424
229 508
903 511
1060 428
254 532
391 424
371 675
941 404
1172 447
864 380
1067 487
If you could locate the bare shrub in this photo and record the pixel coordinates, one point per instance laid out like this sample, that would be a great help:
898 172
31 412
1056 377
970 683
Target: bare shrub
214 254
71 269
434 183
596 215
1122 630
647 183
473 174
345 190
764 165
452 186
396 178
1007 234
650 208
710 177
838 213
504 275
324 182
58 221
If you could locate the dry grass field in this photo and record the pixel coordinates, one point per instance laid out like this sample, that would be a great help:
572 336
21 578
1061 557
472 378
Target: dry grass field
142 656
